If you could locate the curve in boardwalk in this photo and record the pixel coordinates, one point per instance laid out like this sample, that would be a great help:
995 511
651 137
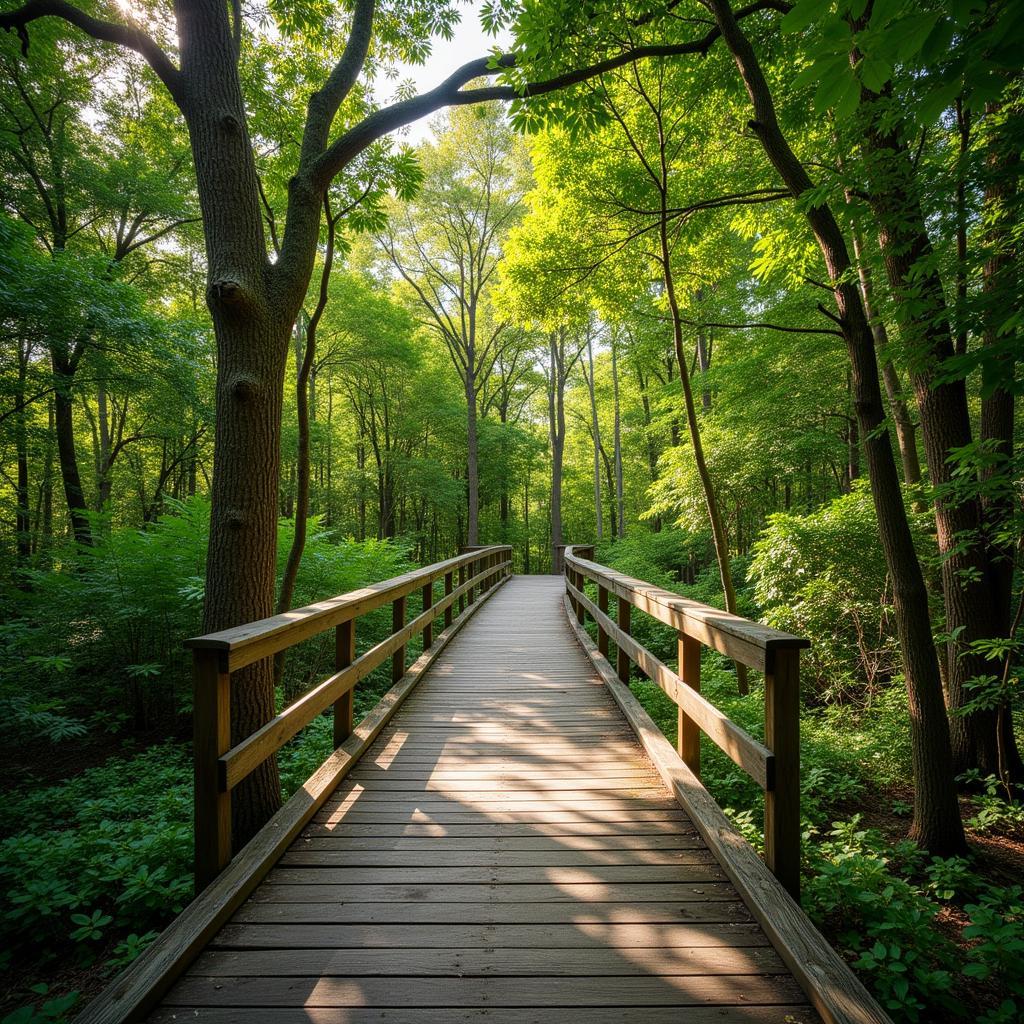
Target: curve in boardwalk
505 852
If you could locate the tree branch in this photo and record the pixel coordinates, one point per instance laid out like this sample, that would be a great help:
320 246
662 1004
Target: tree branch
324 103
107 31
451 93
766 326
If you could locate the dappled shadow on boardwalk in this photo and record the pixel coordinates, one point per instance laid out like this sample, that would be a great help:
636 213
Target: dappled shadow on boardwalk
504 853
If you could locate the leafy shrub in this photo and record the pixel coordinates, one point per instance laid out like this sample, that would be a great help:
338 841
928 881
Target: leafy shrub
880 921
113 617
108 852
993 812
823 576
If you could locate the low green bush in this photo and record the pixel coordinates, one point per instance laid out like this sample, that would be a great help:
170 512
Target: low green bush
822 575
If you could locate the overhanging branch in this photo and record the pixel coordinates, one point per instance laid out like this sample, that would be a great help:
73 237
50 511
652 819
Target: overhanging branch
107 31
451 92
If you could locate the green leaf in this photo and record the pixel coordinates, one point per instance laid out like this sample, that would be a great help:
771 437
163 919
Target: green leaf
803 13
911 32
883 11
831 86
874 72
937 100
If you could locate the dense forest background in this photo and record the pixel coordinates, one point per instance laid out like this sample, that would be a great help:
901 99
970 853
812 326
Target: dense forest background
742 305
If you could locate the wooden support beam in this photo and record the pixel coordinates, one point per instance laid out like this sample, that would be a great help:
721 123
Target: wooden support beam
602 633
448 587
344 655
688 740
211 720
397 622
782 800
428 601
622 658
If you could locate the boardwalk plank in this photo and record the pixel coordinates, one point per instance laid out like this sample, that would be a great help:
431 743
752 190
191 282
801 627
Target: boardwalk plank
504 853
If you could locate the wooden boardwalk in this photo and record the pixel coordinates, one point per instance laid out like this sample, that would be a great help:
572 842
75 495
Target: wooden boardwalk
504 852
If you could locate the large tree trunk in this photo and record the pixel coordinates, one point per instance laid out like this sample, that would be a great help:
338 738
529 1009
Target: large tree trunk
556 435
596 430
252 328
67 456
936 825
472 463
1000 288
922 315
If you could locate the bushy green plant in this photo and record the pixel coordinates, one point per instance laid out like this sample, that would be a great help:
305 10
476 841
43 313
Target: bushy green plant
997 931
993 812
822 575
882 922
109 851
52 1010
114 616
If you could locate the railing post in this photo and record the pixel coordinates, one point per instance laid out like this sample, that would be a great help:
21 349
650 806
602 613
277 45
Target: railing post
448 587
471 571
397 622
621 657
211 719
462 580
428 600
602 604
581 612
688 741
344 655
782 799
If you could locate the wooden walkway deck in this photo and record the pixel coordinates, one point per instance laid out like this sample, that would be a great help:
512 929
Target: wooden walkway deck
504 852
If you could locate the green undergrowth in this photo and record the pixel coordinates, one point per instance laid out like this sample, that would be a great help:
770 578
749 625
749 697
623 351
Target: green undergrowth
95 866
91 660
931 937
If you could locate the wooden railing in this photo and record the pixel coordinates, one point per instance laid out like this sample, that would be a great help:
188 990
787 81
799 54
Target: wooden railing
220 764
774 764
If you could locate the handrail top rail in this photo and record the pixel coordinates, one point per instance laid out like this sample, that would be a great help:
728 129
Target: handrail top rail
255 640
702 621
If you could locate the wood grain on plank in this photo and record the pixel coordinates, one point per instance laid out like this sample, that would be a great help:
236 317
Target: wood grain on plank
504 853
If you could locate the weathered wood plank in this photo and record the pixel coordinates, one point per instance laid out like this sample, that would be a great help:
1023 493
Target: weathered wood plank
494 913
489 961
588 932
797 1014
294 870
653 990
545 853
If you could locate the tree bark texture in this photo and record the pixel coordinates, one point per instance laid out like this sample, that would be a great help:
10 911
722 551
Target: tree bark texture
936 824
968 575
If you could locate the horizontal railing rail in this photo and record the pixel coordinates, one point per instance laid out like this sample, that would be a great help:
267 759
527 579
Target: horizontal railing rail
774 764
221 765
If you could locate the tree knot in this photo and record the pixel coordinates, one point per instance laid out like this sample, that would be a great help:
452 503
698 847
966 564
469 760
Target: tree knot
226 293
244 386
234 518
229 123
